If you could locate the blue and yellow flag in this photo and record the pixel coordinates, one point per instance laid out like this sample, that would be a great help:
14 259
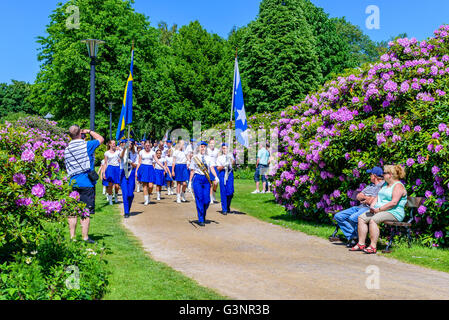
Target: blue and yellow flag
126 116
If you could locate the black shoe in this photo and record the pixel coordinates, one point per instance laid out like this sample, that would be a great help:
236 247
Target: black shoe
351 243
126 216
89 240
224 213
201 224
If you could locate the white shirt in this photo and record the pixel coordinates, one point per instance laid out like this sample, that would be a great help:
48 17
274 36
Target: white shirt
208 161
147 157
214 154
169 161
179 157
157 166
189 149
221 161
113 158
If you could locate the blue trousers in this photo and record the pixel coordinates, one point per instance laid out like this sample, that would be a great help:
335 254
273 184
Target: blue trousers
347 220
226 191
127 186
201 188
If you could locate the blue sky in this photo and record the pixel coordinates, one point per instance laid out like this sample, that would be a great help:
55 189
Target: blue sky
22 21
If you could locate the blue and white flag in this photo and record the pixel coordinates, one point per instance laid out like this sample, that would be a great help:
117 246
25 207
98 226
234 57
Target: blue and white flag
241 126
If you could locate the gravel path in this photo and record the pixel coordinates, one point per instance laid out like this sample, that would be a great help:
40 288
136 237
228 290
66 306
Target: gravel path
244 258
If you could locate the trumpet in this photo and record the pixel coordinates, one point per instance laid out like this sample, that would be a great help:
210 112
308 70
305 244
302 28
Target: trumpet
203 168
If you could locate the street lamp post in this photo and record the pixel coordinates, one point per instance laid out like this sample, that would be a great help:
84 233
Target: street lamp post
92 48
110 104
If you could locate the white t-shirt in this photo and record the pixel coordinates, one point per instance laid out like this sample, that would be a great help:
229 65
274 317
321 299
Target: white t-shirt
169 161
157 166
189 149
213 153
147 157
208 162
113 158
221 161
179 157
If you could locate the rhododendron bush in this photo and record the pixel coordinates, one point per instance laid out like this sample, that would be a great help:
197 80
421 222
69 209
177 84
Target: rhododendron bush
33 182
395 111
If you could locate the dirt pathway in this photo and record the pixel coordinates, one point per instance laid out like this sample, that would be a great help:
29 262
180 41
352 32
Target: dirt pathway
244 258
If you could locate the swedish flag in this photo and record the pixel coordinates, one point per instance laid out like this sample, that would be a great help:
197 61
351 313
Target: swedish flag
126 115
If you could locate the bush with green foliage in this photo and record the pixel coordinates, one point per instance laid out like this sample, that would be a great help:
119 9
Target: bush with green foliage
34 192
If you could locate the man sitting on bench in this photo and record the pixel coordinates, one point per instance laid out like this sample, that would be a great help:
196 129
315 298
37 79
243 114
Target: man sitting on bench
347 219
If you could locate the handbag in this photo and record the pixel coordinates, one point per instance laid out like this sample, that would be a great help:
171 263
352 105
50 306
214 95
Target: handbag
92 175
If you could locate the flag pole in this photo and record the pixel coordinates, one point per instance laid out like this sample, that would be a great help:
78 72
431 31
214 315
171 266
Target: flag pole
232 103
129 126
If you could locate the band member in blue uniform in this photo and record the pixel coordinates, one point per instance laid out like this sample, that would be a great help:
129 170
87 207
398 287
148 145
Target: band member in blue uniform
112 170
179 171
213 153
145 170
200 180
128 184
224 164
168 170
159 172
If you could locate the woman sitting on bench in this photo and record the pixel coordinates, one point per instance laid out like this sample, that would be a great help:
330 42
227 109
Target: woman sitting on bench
387 206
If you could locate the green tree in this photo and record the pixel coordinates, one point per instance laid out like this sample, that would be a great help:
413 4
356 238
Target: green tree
194 81
333 51
14 98
62 84
279 62
363 49
166 34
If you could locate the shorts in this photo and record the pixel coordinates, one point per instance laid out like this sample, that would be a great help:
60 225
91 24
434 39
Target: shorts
87 195
378 217
261 170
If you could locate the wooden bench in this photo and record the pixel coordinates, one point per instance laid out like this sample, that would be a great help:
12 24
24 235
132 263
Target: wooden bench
412 203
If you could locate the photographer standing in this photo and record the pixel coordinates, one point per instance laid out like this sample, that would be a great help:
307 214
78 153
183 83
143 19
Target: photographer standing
79 161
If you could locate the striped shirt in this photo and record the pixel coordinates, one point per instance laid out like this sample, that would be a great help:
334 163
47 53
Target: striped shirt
76 158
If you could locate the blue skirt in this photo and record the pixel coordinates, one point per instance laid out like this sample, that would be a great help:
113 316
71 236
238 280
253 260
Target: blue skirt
181 173
159 177
167 177
113 174
105 183
145 173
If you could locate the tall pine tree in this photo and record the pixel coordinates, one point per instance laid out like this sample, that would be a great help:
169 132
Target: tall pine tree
279 62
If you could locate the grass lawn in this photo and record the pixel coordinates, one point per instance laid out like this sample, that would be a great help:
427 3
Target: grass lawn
134 275
263 207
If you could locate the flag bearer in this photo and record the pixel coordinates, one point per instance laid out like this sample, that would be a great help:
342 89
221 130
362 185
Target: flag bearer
128 184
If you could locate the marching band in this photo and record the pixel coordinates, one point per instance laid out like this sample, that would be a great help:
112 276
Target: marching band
197 167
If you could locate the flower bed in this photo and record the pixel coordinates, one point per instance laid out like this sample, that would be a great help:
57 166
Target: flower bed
392 112
34 191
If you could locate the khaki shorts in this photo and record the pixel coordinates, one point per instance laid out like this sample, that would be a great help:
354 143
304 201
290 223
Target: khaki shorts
378 217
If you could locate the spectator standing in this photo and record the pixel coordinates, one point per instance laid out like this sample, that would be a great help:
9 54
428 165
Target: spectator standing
79 161
263 157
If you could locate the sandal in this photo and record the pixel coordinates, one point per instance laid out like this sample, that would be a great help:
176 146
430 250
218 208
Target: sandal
370 250
358 247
